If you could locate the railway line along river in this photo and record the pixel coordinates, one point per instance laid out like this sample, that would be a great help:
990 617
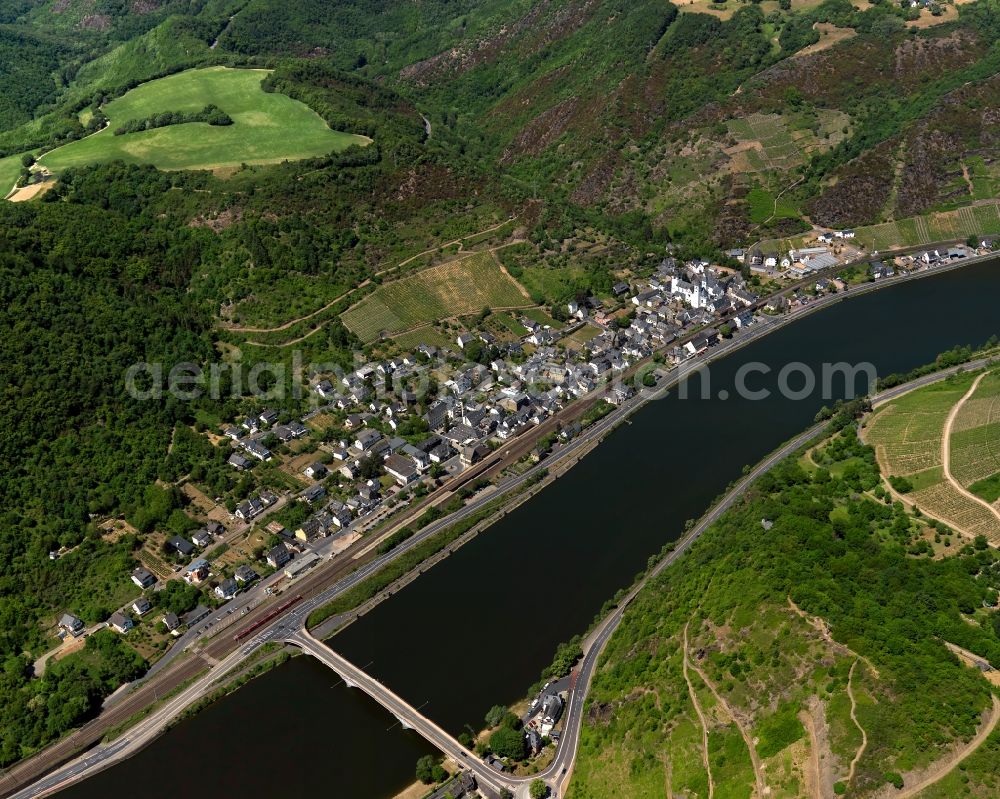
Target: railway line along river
479 628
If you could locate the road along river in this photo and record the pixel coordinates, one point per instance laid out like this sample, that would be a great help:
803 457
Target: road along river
478 628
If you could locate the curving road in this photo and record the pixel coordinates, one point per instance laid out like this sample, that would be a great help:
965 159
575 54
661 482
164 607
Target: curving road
560 768
288 626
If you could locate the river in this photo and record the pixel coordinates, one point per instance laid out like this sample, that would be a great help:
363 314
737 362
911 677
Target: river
479 628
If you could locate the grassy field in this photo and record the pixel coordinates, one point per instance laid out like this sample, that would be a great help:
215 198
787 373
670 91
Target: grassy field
460 287
539 316
579 338
510 324
10 168
557 283
267 128
907 436
423 335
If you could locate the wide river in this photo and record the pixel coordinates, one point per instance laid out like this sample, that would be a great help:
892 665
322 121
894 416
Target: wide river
479 628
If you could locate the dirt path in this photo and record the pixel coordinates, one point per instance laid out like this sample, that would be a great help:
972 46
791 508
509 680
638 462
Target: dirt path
502 268
830 35
758 772
943 767
820 626
946 450
668 775
701 717
814 780
448 244
974 661
854 718
301 338
286 325
968 180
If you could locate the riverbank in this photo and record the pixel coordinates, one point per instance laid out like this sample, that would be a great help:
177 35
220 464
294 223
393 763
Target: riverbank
597 526
600 633
604 426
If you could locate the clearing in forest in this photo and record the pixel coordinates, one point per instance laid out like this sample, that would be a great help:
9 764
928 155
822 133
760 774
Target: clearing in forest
267 127
780 143
460 287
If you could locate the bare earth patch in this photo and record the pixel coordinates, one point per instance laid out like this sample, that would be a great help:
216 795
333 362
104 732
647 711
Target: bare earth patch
819 774
829 35
26 193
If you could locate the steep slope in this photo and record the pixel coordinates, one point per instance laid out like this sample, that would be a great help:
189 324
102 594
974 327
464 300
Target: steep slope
811 653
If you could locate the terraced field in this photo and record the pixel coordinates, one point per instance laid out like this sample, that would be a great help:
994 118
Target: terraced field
267 127
973 220
907 432
460 287
975 439
776 146
908 438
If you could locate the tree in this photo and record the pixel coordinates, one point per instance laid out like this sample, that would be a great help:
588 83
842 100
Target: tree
495 715
368 468
538 789
425 769
506 742
27 160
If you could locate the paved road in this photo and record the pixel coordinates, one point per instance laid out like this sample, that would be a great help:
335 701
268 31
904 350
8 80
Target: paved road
290 622
560 768
402 710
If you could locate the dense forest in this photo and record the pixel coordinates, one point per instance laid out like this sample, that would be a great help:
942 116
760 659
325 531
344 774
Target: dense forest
89 286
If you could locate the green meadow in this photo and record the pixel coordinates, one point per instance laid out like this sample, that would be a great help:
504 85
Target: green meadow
10 168
267 127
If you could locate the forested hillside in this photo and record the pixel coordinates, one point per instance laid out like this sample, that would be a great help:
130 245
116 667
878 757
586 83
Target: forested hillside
806 639
592 132
693 117
88 287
